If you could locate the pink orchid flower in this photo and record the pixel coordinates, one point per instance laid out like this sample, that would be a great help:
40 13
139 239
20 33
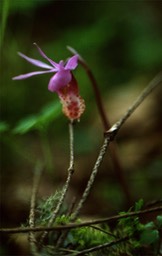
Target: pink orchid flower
62 72
62 82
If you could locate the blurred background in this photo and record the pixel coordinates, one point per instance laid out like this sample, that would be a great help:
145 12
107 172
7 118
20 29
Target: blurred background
121 42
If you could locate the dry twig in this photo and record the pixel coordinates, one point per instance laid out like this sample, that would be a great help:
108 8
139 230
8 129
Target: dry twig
82 224
101 246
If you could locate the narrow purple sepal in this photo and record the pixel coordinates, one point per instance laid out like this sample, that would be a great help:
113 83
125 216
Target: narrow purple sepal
53 63
35 62
72 63
24 76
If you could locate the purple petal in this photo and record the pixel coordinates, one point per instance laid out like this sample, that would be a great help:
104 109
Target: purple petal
72 63
59 80
53 63
24 76
37 63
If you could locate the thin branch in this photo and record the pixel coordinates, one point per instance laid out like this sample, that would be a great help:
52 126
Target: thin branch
82 224
151 86
102 246
110 135
66 186
106 124
36 181
91 179
103 231
153 203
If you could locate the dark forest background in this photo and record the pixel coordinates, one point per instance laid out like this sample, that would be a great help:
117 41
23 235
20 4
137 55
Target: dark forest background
122 44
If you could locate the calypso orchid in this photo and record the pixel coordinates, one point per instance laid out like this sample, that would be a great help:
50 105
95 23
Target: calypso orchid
62 82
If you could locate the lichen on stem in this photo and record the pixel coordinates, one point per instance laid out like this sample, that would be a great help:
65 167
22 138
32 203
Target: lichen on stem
91 179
